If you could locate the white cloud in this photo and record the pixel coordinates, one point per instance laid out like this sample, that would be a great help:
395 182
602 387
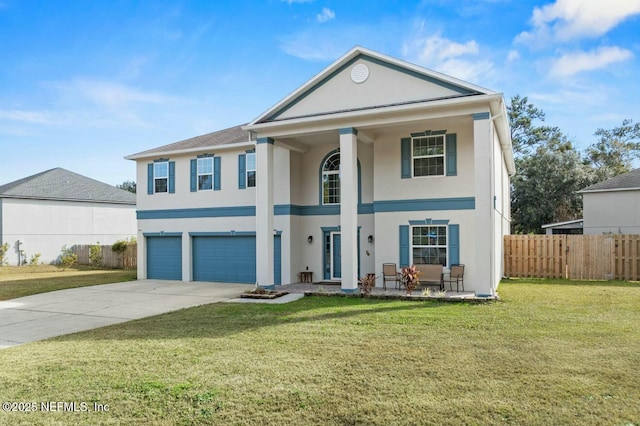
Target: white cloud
567 20
513 55
326 15
573 63
108 94
449 57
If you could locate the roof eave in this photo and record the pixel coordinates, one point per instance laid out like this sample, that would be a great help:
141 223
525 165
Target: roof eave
221 147
24 197
586 191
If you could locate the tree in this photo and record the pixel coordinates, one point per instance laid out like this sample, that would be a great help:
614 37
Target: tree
525 134
549 171
615 150
128 185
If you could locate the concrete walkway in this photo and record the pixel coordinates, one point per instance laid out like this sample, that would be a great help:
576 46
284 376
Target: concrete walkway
46 315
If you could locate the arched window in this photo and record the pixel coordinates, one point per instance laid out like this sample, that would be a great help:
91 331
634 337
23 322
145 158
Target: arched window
331 179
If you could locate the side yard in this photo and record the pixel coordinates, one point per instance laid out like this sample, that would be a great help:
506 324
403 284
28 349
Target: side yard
26 280
548 353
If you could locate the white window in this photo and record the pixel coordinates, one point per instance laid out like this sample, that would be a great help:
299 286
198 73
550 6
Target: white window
428 155
160 177
429 245
205 174
251 169
331 180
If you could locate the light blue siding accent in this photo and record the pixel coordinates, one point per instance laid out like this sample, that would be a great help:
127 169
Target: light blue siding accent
162 234
405 157
481 116
150 178
451 149
270 141
194 175
348 131
463 203
404 245
349 290
454 244
172 177
242 171
460 203
230 258
216 173
237 211
164 257
429 222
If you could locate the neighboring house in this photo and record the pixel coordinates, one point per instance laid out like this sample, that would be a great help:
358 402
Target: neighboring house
573 227
43 212
612 206
373 160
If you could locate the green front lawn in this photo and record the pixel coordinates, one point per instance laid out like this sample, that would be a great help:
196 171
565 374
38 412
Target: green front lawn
562 353
27 280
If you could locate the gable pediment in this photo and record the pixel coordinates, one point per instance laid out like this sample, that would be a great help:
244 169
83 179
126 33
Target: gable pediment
363 82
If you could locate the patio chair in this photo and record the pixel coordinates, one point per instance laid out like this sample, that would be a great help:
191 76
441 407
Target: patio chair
390 273
455 276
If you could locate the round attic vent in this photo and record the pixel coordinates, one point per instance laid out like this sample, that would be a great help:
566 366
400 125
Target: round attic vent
359 73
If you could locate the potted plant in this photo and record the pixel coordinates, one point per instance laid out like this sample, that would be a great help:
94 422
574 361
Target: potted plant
410 278
367 283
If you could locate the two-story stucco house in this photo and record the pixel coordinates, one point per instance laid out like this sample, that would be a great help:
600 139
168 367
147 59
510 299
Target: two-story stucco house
373 160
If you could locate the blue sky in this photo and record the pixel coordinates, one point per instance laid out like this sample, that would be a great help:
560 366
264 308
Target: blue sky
84 83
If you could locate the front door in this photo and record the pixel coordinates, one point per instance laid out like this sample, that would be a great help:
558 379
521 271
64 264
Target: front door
336 257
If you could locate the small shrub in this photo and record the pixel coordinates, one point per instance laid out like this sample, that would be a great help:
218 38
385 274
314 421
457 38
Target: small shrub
67 258
120 247
367 283
4 248
410 278
95 254
34 261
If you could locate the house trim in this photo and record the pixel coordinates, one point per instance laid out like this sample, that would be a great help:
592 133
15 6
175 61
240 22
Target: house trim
387 206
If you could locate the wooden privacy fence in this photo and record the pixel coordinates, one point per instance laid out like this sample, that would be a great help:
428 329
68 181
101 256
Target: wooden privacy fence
110 259
580 257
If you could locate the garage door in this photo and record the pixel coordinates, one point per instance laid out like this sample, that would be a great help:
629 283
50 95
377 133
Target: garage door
164 258
230 258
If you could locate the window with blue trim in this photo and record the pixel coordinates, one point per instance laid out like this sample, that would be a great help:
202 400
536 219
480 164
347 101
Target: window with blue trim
331 179
251 169
160 177
205 174
428 155
429 245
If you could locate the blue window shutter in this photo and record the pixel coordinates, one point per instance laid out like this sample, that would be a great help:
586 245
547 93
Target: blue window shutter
172 177
149 179
216 173
405 154
454 244
404 245
194 175
242 171
452 168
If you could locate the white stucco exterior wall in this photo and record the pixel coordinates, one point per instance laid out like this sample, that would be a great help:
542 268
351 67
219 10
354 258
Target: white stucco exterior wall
44 226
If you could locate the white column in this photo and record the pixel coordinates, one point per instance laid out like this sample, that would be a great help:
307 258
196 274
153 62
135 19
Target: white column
349 208
186 257
484 203
264 212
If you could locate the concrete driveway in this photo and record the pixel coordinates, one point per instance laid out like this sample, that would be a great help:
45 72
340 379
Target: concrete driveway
46 315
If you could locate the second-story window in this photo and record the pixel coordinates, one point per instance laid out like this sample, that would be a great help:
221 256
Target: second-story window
428 156
331 180
205 174
160 177
251 169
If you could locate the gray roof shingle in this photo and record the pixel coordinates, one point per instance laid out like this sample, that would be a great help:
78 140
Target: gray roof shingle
61 184
221 137
629 180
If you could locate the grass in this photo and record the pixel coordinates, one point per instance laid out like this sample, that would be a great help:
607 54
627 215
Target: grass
548 353
27 280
